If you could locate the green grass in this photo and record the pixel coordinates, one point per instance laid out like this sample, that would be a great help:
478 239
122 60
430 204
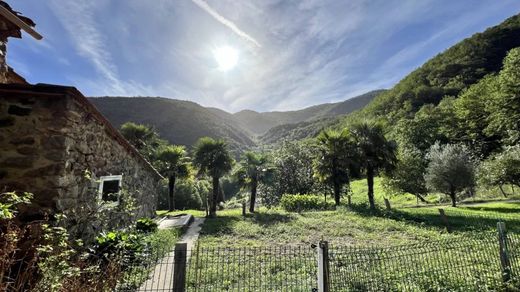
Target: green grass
195 213
340 227
359 190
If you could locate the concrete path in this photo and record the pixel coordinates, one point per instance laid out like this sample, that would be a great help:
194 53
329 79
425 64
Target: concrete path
161 278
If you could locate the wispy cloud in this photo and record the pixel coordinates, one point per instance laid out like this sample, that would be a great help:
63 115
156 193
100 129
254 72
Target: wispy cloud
79 20
312 51
203 5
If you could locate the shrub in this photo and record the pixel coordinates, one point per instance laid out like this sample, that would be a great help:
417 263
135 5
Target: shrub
146 225
119 244
298 203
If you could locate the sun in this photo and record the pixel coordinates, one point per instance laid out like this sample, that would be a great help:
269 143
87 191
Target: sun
226 57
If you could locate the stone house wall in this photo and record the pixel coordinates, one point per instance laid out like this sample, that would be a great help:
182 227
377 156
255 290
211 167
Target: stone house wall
55 144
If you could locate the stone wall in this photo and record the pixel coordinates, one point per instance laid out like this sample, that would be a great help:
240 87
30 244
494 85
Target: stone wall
54 143
31 147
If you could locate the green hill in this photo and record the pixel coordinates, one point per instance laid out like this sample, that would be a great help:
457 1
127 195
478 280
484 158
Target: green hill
448 73
179 122
278 122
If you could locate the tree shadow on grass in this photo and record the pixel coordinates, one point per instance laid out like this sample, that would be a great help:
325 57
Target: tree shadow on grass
223 224
457 222
504 209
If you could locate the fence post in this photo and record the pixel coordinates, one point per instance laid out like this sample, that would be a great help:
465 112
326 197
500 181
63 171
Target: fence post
387 204
444 219
349 200
504 252
323 267
179 268
244 209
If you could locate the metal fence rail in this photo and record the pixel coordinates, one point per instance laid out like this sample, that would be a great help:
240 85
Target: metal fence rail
464 264
252 269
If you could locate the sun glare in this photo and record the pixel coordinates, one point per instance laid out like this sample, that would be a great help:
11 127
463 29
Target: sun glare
226 58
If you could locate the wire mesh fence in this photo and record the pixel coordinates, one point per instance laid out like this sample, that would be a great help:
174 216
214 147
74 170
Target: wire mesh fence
458 219
466 264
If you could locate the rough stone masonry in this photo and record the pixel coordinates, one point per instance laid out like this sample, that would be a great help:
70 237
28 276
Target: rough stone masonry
55 144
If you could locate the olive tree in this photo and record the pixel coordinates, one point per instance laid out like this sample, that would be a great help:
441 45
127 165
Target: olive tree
501 169
450 170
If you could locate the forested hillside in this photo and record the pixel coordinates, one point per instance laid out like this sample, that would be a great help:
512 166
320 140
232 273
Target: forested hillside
179 122
450 98
277 122
183 122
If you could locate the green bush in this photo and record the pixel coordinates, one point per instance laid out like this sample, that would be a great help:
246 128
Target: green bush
146 225
298 203
119 243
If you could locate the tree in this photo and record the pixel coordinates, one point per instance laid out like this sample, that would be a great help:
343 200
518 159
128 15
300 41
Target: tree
375 152
472 115
504 108
144 138
253 169
450 170
173 163
213 158
335 160
408 175
501 169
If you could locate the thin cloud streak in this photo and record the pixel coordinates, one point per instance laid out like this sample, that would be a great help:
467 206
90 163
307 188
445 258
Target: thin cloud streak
204 6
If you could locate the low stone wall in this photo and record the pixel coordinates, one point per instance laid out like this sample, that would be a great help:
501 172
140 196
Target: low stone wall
55 144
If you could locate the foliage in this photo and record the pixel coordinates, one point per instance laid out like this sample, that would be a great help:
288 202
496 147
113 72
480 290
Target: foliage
113 243
146 225
299 203
292 172
408 175
253 169
336 161
10 201
374 152
213 158
144 138
505 106
174 164
450 170
501 169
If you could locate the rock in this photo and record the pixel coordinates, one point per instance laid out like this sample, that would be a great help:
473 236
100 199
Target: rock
19 111
6 122
23 141
27 150
54 142
49 170
56 155
18 162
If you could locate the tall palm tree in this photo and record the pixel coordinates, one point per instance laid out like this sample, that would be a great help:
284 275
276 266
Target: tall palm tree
336 160
144 138
253 169
375 152
173 163
213 158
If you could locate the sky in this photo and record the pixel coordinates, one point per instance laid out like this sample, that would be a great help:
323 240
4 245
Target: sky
289 54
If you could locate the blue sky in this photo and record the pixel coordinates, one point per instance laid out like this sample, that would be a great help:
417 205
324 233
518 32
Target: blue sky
291 54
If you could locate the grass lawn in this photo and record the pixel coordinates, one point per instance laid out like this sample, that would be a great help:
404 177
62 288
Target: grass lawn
339 227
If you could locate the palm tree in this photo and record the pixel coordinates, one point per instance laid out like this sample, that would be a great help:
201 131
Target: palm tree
252 170
172 163
375 152
213 158
335 161
144 138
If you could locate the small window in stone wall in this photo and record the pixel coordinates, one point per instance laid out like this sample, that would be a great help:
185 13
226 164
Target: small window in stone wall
110 189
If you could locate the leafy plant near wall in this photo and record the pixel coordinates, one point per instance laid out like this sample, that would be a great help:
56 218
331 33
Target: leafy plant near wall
146 225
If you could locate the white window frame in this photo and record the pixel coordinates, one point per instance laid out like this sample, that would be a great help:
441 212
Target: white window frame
100 191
